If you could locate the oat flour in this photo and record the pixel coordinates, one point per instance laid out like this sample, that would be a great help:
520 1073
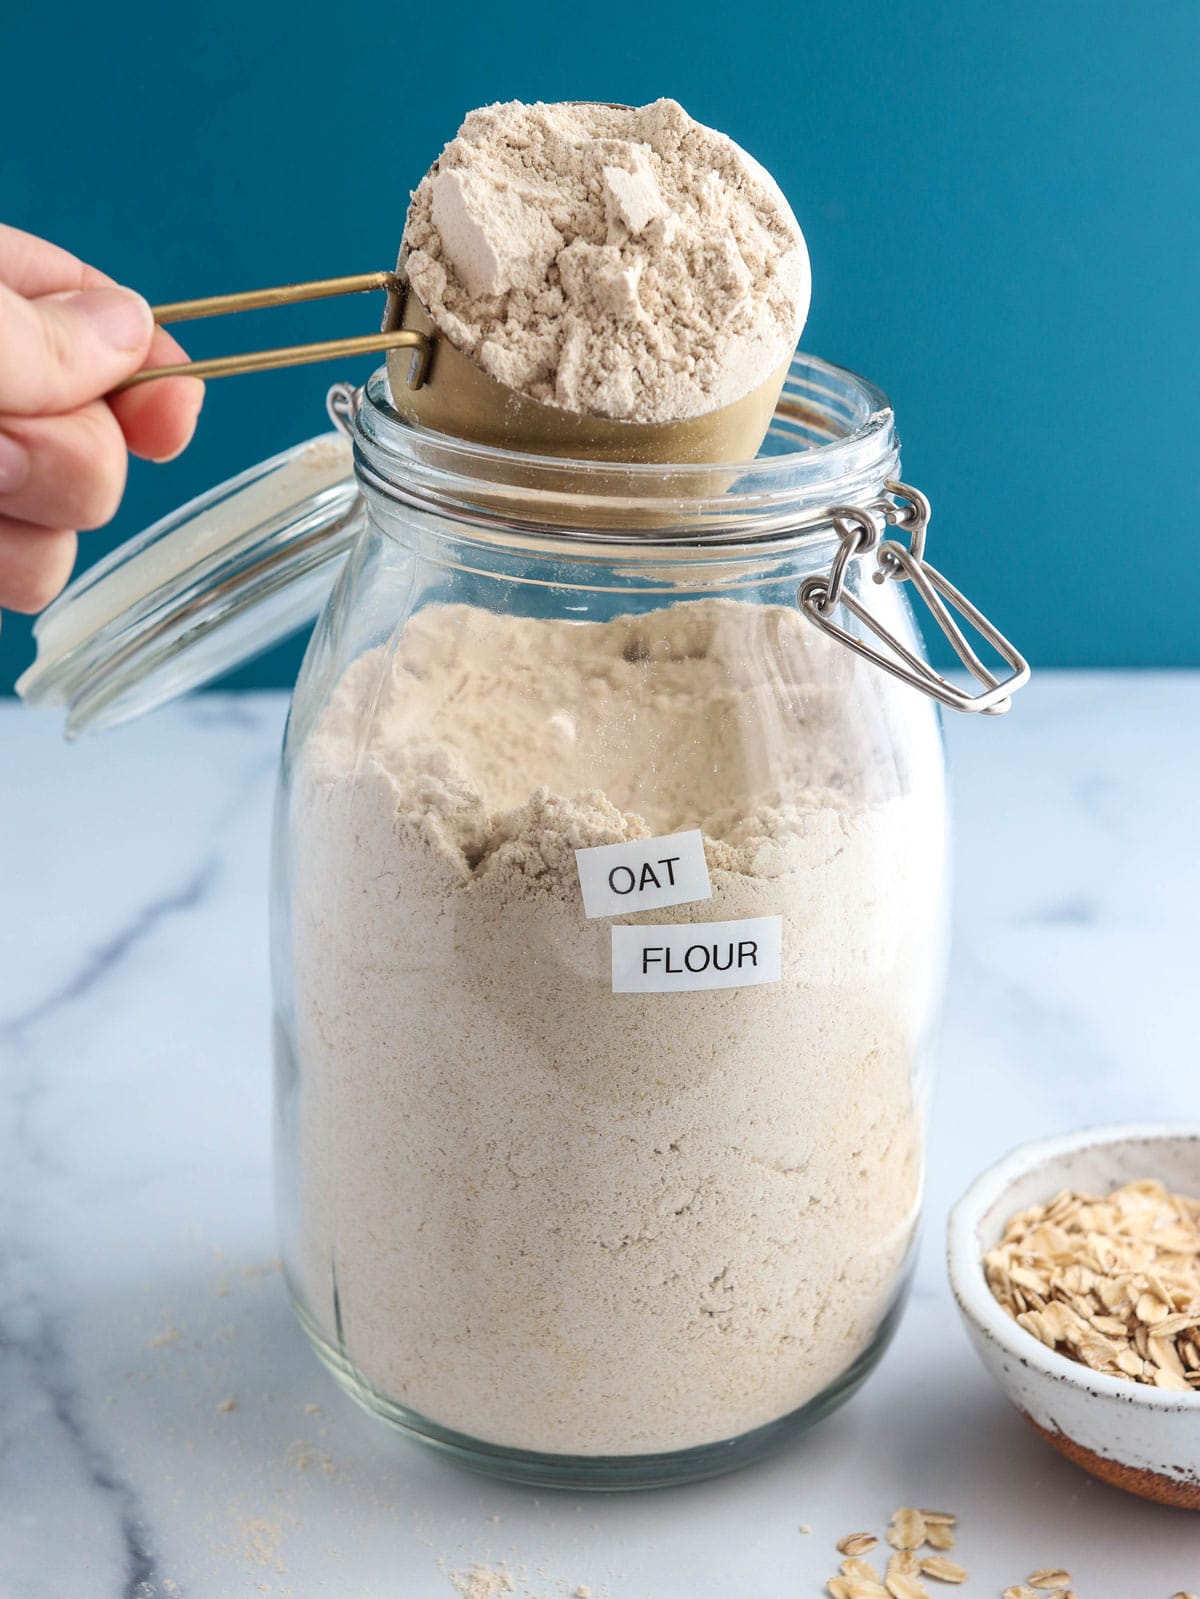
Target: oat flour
619 261
559 1218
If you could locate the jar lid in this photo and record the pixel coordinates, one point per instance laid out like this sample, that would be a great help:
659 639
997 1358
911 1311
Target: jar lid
215 582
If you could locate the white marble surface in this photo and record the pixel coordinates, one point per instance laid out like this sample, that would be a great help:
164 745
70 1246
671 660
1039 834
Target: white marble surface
137 1290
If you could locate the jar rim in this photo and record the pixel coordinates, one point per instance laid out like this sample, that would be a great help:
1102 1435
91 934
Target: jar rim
244 564
832 441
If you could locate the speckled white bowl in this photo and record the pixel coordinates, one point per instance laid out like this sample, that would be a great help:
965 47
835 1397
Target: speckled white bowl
1145 1440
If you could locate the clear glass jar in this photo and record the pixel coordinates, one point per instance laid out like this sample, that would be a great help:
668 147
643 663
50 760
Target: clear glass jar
628 1197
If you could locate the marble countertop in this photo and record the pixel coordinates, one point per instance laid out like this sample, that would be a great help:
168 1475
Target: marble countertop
164 1428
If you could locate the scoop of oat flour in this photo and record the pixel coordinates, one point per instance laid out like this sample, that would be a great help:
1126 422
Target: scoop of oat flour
617 261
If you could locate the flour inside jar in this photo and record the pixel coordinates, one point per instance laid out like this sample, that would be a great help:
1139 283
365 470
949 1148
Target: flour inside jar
557 1218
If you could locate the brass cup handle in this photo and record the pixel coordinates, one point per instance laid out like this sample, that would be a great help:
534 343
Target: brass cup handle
286 355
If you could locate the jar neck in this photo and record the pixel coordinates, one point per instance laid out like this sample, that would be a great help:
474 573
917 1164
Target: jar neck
832 442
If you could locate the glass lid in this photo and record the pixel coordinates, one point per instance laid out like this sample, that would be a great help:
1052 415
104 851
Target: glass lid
212 584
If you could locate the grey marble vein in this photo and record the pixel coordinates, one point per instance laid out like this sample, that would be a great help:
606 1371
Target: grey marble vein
45 1366
101 961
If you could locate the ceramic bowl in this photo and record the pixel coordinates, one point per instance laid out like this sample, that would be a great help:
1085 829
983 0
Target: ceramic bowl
1143 1439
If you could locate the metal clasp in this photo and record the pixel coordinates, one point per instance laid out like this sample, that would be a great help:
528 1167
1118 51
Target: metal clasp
860 529
342 404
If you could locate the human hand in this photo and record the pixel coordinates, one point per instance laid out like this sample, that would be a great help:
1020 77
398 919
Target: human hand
68 335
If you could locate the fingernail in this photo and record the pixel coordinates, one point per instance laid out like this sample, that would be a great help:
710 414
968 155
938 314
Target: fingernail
121 317
162 460
14 464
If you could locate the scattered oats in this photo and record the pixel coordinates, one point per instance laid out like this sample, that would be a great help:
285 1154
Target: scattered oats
940 1518
805 1528
906 1588
583 1591
1182 1595
313 1410
939 1535
907 1529
837 1588
854 1543
1113 1281
904 1563
1019 1592
1049 1577
942 1570
859 1568
170 1335
864 1588
227 1405
862 1569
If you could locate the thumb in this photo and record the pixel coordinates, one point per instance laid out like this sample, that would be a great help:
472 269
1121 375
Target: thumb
62 350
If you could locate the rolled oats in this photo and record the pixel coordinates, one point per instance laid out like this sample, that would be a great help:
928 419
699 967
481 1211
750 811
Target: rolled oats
856 1543
942 1570
863 1570
1112 1282
906 1588
907 1529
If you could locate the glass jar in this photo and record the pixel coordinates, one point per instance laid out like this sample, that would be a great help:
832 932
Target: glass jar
608 916
570 1232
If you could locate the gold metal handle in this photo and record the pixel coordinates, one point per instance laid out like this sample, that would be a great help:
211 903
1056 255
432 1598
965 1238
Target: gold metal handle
286 355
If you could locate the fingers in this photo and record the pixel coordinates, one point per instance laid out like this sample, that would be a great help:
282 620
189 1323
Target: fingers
34 266
56 473
65 349
68 336
35 563
159 418
64 471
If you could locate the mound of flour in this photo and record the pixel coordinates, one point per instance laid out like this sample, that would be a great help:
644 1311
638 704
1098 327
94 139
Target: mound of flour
622 262
558 1218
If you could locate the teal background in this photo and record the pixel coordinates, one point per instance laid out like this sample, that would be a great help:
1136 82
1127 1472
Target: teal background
1000 202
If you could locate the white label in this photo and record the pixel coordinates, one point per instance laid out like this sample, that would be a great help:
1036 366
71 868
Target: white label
618 879
691 955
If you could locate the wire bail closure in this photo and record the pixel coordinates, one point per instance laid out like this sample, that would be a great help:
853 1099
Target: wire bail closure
860 531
